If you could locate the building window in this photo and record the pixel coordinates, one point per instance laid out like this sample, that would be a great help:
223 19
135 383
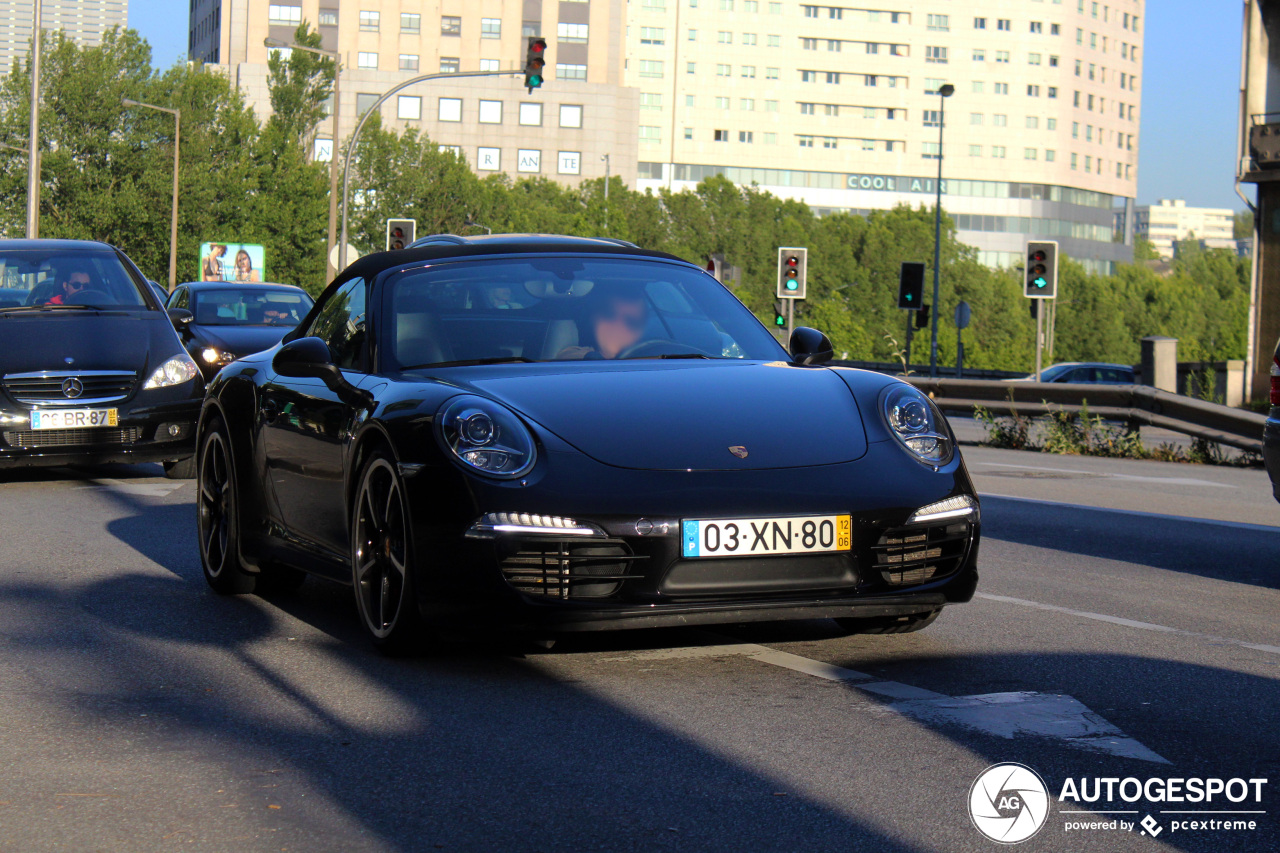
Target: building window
450 64
932 118
726 5
528 160
833 77
328 17
409 107
530 29
574 33
490 28
450 26
690 67
975 150
657 35
365 102
570 115
569 163
808 109
1002 56
752 6
1029 153
1074 160
808 44
1003 24
975 118
772 107
688 133
771 139
369 21
1033 59
490 65
829 142
775 73
720 135
1033 91
650 101
929 150
746 136
1033 123
650 134
366 60
805 141
649 68
748 71
774 41
575 72
410 22
450 109
979 23
747 104
727 71
935 54
489 159
722 103
281 14
939 23
1000 120
979 55
749 39
531 114
724 37
408 62
1037 27
979 87
491 112
998 152
1050 155
1000 88
1051 124
775 8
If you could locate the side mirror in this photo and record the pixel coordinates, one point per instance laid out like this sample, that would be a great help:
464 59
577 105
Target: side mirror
809 346
181 318
309 358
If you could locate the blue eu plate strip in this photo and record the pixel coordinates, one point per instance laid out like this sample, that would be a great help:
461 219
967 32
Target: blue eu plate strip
690 538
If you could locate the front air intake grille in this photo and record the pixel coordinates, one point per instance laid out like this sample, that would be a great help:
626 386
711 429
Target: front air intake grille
71 437
70 387
556 568
910 555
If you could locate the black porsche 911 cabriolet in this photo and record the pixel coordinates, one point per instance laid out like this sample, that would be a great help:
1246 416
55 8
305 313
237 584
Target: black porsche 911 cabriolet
549 433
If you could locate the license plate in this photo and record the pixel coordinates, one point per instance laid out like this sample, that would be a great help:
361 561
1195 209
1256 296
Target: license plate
754 537
74 418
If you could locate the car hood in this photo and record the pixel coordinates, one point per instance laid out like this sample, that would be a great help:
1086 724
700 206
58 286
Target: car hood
86 340
241 340
687 415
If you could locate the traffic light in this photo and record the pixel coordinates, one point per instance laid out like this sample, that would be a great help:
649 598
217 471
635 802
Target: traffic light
1041 270
793 264
911 286
922 317
779 316
400 233
535 59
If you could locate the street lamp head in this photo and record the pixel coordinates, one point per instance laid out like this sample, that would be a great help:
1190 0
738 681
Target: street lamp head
270 42
130 102
946 90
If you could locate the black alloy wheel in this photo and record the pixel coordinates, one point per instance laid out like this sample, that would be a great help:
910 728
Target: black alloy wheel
216 521
382 560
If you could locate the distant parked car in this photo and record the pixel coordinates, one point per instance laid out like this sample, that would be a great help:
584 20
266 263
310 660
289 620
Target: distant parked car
1271 431
227 321
1085 372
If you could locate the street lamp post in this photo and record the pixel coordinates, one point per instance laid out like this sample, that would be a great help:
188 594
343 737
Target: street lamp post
373 108
605 158
33 134
173 222
945 91
333 153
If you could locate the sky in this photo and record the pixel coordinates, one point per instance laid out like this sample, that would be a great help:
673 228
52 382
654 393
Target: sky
1190 77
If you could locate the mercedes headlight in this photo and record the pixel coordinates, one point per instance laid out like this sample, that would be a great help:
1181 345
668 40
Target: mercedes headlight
212 355
175 371
917 424
487 437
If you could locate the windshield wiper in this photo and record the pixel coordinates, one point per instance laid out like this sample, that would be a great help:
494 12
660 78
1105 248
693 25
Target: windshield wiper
468 362
673 355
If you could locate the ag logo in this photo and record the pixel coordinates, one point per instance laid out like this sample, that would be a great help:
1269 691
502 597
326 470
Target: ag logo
1008 803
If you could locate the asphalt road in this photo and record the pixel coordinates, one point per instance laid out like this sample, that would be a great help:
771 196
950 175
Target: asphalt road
1125 627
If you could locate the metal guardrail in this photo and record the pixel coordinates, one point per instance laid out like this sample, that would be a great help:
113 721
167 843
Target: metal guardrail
1138 404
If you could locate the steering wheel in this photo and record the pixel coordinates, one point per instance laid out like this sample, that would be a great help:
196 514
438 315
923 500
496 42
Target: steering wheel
658 346
90 297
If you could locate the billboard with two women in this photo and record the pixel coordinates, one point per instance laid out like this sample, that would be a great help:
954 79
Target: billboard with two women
232 262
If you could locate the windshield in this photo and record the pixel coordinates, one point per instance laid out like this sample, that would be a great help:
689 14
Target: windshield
570 309
249 306
50 278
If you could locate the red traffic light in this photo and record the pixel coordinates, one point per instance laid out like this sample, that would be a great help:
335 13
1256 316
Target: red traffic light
1038 255
793 261
537 46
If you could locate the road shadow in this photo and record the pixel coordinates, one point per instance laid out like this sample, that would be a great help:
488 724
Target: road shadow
1237 554
85 473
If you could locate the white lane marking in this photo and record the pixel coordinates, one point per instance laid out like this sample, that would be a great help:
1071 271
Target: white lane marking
1137 478
1128 623
1239 525
1010 715
152 490
1006 715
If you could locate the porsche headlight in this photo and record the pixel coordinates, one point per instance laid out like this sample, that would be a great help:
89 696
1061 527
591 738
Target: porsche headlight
487 437
175 371
917 424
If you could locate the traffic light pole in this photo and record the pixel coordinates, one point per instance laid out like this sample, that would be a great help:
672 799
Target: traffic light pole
1039 335
355 138
911 322
791 317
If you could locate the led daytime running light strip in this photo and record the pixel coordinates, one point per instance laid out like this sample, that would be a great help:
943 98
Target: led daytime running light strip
522 522
960 506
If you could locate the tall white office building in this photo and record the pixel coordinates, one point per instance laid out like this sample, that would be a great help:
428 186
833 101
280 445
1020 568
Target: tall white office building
84 22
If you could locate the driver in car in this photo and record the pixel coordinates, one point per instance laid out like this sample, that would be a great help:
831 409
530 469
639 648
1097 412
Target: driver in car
618 322
76 281
276 315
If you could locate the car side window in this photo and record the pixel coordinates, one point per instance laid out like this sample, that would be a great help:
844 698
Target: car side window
342 325
183 300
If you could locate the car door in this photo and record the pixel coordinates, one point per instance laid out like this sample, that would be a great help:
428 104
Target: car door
305 425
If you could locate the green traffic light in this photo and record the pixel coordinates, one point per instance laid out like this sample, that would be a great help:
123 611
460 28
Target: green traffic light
791 285
779 320
1040 282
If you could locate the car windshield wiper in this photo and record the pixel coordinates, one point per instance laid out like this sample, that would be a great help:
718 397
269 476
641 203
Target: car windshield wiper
674 355
51 307
468 362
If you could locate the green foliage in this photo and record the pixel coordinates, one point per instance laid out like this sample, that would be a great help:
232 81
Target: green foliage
1242 227
107 172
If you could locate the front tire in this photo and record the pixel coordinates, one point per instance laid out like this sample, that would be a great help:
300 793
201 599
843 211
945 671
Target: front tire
180 469
382 560
217 521
889 624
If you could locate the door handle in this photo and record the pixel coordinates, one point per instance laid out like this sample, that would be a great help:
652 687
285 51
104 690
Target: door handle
270 409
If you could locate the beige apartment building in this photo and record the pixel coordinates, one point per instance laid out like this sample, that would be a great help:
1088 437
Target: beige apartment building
84 22
839 106
1170 220
564 130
